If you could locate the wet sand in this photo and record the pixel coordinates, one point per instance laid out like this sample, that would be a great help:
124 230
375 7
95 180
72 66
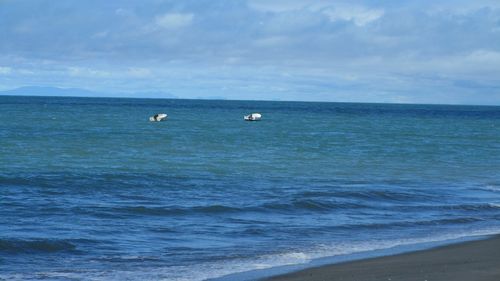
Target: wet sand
468 261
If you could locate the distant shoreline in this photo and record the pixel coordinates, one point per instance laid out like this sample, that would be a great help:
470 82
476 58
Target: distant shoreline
105 96
466 261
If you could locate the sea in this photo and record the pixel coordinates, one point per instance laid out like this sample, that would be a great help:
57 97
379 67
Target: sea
90 189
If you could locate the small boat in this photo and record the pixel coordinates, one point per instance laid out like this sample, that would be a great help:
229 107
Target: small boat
158 117
253 117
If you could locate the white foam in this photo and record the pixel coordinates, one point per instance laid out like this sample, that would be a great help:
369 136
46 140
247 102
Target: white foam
213 270
490 187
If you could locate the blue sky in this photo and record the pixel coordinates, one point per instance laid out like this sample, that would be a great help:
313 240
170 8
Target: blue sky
438 51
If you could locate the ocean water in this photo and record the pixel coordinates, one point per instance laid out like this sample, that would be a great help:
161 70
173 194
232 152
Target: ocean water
91 190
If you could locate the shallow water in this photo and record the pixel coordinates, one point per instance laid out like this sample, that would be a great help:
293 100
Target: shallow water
89 189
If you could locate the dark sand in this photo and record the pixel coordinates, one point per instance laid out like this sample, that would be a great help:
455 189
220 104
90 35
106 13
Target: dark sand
469 261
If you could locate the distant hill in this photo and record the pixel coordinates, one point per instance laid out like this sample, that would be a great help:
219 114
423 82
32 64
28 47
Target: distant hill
49 91
76 92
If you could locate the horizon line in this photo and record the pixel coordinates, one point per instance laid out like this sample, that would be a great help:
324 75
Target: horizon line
244 100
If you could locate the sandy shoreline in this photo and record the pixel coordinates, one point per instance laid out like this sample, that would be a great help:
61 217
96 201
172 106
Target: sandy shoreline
467 261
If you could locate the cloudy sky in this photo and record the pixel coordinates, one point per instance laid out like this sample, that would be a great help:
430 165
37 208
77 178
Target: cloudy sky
414 51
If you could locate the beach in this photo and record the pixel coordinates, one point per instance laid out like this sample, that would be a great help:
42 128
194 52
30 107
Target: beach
467 261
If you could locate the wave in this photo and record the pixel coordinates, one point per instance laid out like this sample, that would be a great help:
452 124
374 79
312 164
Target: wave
403 224
291 206
129 258
176 210
472 207
309 205
93 180
16 246
260 266
490 187
467 207
383 195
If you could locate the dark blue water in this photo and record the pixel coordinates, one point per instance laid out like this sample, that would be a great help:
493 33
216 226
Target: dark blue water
90 190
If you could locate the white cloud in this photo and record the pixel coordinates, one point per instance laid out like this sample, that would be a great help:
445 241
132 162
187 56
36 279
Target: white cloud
123 12
101 34
271 41
360 15
138 72
174 20
5 70
87 72
485 57
276 5
480 64
477 64
357 14
26 72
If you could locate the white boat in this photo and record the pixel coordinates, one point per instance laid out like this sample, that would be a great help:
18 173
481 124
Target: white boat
253 117
158 117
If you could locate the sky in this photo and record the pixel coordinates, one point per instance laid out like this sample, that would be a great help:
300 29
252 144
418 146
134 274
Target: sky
438 51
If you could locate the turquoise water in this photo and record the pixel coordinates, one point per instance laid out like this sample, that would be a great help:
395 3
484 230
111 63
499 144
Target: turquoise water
90 189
